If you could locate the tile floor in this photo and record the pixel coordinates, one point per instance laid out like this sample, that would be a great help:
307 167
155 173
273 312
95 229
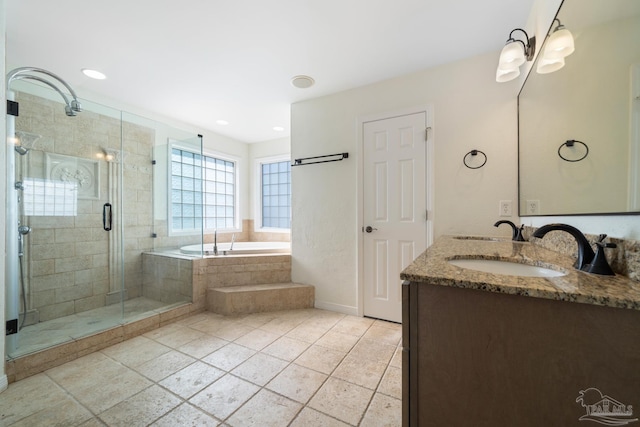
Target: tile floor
290 368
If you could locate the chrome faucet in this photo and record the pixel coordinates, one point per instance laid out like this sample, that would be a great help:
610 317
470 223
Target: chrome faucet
215 242
516 235
233 239
585 252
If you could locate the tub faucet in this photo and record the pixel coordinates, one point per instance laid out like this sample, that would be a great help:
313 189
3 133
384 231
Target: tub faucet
516 232
585 252
215 242
233 239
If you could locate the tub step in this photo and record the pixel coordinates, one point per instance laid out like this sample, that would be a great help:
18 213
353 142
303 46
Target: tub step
247 299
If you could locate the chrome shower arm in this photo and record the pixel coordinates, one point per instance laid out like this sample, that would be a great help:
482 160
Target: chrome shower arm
48 83
21 73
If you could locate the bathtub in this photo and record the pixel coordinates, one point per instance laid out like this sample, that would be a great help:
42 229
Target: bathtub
239 248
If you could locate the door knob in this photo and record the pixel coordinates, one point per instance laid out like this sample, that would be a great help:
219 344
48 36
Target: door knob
369 229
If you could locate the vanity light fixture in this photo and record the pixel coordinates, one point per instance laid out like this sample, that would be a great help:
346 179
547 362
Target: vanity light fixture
558 46
560 43
514 53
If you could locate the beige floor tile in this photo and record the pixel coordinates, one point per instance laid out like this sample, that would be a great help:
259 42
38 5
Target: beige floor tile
396 361
257 339
229 356
224 396
297 383
338 341
73 373
163 331
320 359
85 379
265 409
311 418
186 415
255 320
391 383
141 409
373 350
384 411
232 332
202 347
260 368
65 413
366 373
307 332
190 380
180 337
165 365
384 334
342 400
353 325
23 401
136 351
360 354
286 348
93 422
280 326
103 395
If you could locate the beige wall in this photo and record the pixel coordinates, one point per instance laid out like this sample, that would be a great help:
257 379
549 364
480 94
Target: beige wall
471 111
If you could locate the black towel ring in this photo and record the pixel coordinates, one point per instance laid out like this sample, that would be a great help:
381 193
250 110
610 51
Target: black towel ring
571 143
474 153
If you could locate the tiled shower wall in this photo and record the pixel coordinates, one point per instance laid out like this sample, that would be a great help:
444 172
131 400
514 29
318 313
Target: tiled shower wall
67 259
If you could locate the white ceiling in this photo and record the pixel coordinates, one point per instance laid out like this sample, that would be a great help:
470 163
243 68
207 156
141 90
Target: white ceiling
198 61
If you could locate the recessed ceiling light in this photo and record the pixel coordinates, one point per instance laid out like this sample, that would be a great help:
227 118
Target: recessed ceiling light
278 128
302 82
94 74
222 122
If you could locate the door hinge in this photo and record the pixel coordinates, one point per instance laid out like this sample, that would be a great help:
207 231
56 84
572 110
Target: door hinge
426 215
11 327
12 108
426 133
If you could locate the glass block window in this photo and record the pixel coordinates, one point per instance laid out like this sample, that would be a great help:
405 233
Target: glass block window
276 195
202 191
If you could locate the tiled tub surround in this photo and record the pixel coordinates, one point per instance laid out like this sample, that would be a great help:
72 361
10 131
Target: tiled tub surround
575 286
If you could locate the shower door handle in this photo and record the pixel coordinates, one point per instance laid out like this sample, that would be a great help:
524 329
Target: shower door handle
106 217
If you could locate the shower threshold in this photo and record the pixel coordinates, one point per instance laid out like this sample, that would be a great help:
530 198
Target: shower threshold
43 335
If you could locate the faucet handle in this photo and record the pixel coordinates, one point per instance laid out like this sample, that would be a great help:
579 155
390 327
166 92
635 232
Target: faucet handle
605 245
599 265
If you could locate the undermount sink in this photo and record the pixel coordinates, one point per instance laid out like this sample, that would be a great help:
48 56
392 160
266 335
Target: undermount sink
505 267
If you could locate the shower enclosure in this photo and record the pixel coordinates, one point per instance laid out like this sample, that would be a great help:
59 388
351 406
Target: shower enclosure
86 197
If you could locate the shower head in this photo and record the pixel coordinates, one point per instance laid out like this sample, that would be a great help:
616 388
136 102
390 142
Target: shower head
71 107
21 149
25 141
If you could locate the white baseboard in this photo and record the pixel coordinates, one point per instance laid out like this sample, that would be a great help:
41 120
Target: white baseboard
4 383
345 309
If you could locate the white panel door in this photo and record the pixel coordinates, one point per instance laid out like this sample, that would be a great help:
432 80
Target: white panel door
394 208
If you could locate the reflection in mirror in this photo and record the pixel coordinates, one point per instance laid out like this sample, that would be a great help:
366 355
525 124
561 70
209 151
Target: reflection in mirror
593 99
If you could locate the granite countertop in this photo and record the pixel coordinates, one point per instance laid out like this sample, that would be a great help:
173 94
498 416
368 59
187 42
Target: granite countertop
575 286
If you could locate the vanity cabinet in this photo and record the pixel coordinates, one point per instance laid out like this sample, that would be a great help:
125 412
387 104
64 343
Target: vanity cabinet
479 358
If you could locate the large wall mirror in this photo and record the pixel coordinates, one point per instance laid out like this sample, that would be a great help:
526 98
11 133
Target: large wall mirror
593 100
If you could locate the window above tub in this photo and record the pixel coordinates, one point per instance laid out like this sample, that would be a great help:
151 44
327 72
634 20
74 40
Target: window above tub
203 192
273 208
